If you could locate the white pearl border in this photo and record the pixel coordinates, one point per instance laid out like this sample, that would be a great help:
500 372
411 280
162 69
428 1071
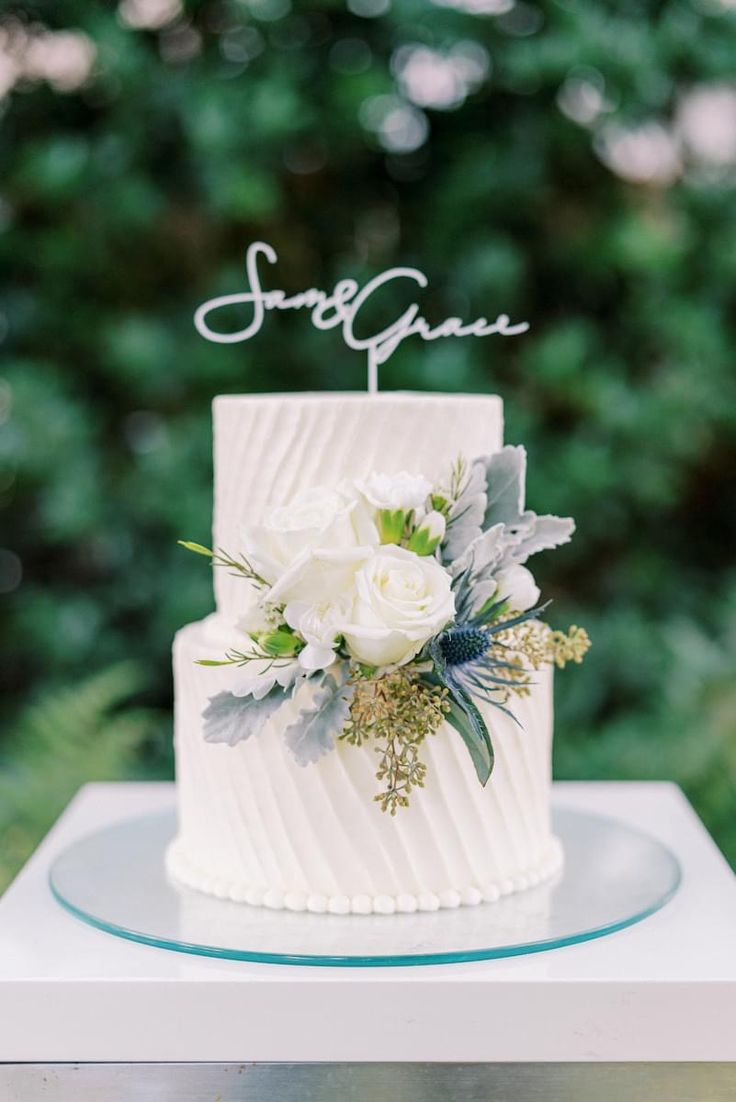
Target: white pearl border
181 869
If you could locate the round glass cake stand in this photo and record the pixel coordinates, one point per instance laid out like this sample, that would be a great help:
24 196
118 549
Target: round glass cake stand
614 876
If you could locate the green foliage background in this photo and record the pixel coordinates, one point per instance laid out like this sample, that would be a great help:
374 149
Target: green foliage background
127 201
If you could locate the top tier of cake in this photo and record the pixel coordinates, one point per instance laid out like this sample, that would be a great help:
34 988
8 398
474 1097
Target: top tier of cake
268 448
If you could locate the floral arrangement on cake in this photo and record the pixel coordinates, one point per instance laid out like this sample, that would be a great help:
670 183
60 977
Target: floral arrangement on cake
384 607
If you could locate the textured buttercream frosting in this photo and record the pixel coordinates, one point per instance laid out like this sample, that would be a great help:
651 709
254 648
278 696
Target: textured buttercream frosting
269 448
256 827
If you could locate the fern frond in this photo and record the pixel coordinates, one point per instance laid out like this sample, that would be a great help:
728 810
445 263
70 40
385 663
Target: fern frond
84 732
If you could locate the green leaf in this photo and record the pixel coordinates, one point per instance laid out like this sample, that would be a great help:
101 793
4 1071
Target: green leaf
197 548
465 717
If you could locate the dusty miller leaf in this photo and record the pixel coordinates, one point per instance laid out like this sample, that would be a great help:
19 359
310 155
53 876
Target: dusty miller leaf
505 476
510 533
482 556
524 533
532 534
232 719
476 567
312 734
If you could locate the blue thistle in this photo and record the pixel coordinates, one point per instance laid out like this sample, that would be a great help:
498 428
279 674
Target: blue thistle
464 651
464 643
466 664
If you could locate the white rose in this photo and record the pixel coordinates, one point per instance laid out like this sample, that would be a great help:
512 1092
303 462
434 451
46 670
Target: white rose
395 491
319 575
401 601
516 585
319 517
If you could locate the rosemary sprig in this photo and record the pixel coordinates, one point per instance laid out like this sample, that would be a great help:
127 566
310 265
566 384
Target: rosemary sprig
240 567
458 477
446 498
239 658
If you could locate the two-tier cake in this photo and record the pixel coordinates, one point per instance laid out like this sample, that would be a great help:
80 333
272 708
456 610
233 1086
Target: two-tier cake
365 723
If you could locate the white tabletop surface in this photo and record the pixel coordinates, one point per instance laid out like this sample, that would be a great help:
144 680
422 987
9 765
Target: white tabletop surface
664 989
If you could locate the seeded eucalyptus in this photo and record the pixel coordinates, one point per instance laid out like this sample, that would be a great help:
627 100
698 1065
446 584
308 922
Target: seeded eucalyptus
397 712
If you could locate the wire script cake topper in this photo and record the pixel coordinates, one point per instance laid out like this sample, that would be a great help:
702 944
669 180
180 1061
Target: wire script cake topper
341 308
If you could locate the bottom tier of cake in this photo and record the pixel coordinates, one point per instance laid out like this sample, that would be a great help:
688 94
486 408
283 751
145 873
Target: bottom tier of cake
257 828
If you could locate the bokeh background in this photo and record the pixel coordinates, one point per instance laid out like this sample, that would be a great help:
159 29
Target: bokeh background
570 162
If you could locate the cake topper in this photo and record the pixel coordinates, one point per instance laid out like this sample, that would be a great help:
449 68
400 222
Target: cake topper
341 308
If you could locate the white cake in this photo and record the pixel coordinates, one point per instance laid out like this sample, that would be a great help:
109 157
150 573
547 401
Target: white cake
254 825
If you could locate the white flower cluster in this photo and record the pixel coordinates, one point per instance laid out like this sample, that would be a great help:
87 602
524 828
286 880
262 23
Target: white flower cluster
388 575
352 568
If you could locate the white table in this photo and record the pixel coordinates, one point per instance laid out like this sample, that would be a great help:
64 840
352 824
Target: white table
647 1012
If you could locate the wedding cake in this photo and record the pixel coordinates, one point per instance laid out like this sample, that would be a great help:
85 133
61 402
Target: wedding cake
364 724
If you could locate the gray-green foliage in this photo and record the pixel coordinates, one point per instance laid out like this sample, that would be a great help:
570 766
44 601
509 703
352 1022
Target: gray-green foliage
490 529
526 533
232 719
315 728
126 203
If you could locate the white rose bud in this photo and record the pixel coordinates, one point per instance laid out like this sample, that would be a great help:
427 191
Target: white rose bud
425 539
517 586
